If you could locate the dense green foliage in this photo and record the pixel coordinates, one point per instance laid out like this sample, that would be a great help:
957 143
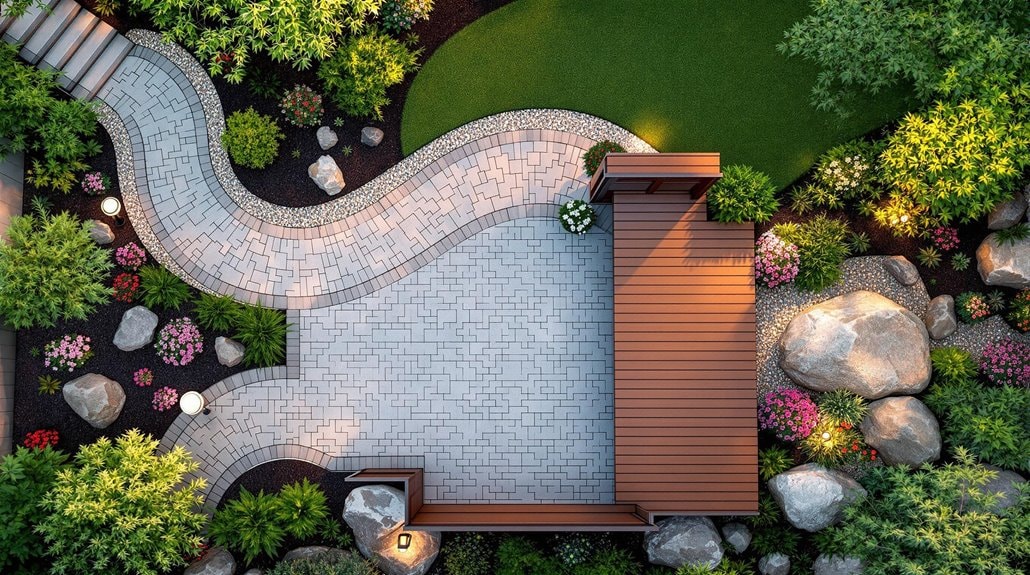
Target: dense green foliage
251 139
249 525
593 157
161 288
684 75
123 509
225 33
772 461
302 508
215 312
743 194
841 406
931 521
263 331
822 245
952 364
33 118
25 477
348 564
991 422
50 270
725 567
357 75
944 48
845 174
468 554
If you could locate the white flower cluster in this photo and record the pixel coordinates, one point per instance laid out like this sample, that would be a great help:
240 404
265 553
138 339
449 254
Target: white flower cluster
576 217
845 174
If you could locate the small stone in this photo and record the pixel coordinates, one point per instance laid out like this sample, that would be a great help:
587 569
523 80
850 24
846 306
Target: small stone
1005 264
136 329
1007 213
229 351
326 137
95 398
903 430
774 564
371 137
737 535
837 565
100 232
902 270
216 561
327 175
940 317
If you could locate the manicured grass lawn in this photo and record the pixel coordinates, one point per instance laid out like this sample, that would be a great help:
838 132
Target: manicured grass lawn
685 75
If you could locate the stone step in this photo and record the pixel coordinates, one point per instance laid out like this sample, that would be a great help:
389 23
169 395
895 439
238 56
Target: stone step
102 69
49 31
86 54
23 26
72 38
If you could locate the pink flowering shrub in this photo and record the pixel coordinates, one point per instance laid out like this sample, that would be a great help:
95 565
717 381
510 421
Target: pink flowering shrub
776 261
130 256
789 413
143 377
1007 362
165 398
972 307
95 183
67 353
945 238
179 342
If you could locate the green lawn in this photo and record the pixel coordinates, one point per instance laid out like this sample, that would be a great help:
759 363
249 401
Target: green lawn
685 75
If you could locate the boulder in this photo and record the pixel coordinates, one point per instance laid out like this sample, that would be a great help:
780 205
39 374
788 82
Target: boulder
940 317
95 398
903 430
100 232
683 541
376 514
1004 265
813 497
1007 213
314 551
229 351
136 329
371 137
862 342
1005 484
837 565
737 535
254 572
327 175
903 270
327 138
774 564
217 561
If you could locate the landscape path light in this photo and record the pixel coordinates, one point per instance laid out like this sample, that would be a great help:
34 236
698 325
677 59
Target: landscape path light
112 208
193 403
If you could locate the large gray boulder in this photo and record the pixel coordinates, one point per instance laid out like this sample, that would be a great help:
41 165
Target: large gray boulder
327 138
1007 213
903 430
229 351
774 564
136 329
217 561
813 497
903 270
95 398
376 515
327 175
1004 265
860 341
1006 484
737 535
837 565
940 317
683 541
371 136
100 232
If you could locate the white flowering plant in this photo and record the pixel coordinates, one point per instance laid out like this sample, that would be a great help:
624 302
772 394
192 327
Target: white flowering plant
847 171
577 217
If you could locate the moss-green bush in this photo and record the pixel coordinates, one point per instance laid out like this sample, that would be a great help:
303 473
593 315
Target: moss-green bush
263 331
161 288
743 194
252 139
358 74
823 246
25 477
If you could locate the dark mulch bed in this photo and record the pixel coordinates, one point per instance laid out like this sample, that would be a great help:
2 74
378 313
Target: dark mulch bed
34 411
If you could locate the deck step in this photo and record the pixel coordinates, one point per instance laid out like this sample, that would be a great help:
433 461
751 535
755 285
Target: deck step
86 54
58 54
103 68
49 31
23 26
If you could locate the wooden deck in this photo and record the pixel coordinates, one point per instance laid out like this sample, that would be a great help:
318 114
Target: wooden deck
685 396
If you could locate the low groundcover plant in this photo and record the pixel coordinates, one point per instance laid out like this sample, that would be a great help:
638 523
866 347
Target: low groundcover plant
776 261
179 342
789 413
67 353
577 217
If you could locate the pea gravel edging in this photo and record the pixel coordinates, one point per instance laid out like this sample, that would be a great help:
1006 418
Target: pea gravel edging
584 125
775 308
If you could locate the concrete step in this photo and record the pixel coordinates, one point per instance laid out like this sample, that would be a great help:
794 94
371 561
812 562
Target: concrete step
70 40
102 69
23 26
49 31
86 54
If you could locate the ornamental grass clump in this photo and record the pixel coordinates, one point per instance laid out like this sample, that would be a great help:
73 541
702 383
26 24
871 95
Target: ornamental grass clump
301 106
161 288
972 307
263 331
822 246
789 413
577 217
776 261
179 342
215 312
67 353
952 364
1007 362
841 407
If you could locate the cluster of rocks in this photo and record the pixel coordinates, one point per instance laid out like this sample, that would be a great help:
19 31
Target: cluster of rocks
326 172
219 561
1005 263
